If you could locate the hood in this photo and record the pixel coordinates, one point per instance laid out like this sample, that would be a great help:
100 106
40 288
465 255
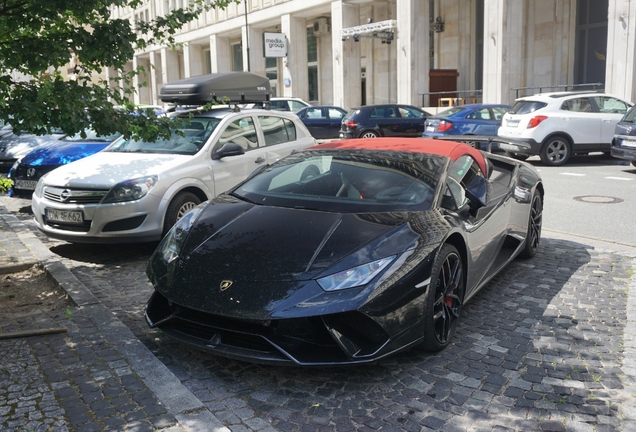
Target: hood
282 244
106 169
61 153
16 146
270 257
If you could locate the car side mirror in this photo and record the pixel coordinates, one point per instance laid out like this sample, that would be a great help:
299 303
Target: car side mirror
228 149
477 192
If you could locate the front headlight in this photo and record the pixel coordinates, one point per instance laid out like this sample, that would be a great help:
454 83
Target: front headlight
173 241
39 186
130 190
354 277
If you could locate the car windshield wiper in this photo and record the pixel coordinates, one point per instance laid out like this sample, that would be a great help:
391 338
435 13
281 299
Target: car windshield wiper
242 198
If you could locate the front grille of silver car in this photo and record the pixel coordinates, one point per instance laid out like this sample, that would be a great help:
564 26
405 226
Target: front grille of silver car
74 196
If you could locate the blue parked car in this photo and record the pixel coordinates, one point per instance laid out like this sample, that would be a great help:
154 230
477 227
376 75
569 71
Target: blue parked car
471 119
323 122
26 172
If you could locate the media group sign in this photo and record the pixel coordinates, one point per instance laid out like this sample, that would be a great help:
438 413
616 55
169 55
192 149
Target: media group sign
274 44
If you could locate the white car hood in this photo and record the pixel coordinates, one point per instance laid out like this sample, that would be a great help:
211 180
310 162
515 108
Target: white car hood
103 170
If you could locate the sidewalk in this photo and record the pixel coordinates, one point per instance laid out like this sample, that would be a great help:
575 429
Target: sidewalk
99 376
96 376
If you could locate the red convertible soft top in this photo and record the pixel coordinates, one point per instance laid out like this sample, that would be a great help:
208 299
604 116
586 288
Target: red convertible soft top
452 149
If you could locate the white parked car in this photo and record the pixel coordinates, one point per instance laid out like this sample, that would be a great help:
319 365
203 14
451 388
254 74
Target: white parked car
557 125
135 191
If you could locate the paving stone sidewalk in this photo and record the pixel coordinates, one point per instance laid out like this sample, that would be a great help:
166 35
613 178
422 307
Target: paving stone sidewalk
97 376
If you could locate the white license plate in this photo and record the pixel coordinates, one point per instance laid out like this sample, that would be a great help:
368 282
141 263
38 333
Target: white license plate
512 123
628 143
25 184
508 147
430 129
67 216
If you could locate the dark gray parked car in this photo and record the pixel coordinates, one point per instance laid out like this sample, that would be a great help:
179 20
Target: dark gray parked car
624 142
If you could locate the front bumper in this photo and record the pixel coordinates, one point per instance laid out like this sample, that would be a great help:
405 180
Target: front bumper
131 221
325 340
624 148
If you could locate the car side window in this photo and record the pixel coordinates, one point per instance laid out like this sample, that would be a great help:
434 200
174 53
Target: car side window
480 114
335 114
242 132
295 105
499 113
578 105
460 174
610 105
279 105
409 112
314 113
277 130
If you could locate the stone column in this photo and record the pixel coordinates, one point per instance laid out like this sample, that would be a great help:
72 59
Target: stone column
155 84
295 78
503 50
257 60
220 54
137 79
620 77
192 61
347 91
169 65
412 51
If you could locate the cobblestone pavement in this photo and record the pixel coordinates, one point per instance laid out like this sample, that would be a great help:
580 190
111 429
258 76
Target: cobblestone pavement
549 345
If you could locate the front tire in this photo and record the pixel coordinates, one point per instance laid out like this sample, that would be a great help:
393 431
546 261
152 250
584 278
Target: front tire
556 151
444 300
180 205
533 235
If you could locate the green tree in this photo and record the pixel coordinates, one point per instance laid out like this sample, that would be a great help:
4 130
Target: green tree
38 37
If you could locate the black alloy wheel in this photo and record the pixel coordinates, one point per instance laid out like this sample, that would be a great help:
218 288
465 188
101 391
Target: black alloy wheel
533 236
445 299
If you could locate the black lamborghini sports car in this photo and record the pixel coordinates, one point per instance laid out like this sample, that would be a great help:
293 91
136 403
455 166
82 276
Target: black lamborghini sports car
344 253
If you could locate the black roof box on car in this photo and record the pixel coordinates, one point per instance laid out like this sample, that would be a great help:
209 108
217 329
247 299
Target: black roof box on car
237 87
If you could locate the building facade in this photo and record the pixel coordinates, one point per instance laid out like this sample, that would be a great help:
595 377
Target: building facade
359 52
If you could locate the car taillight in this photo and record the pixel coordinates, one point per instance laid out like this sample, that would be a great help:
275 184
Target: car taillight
444 125
536 121
351 124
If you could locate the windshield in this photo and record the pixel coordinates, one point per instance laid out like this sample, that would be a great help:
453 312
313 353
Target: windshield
351 181
91 135
188 140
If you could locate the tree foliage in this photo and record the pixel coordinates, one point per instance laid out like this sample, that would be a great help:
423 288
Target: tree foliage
39 37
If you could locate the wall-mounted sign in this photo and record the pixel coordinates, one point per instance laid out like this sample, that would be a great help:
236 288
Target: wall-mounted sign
274 45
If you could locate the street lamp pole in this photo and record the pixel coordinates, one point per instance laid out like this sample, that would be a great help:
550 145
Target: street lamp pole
247 37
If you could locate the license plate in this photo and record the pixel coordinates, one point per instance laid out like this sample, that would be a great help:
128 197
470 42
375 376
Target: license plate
25 184
430 129
512 123
628 143
67 216
508 147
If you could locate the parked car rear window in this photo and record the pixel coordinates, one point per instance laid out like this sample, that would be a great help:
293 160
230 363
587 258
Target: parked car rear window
526 107
277 130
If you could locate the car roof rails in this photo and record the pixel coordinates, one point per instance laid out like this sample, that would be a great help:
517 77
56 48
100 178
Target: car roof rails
226 88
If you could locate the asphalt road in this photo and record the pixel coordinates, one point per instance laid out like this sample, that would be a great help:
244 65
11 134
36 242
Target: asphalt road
599 178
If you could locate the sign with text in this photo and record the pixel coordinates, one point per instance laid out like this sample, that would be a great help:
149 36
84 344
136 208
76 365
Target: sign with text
274 45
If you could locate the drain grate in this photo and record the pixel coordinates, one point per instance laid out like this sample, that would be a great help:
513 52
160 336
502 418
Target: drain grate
596 199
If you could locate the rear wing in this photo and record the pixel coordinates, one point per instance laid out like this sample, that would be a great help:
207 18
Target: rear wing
222 88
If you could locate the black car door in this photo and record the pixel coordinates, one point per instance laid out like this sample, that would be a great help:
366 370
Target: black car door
412 121
484 228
